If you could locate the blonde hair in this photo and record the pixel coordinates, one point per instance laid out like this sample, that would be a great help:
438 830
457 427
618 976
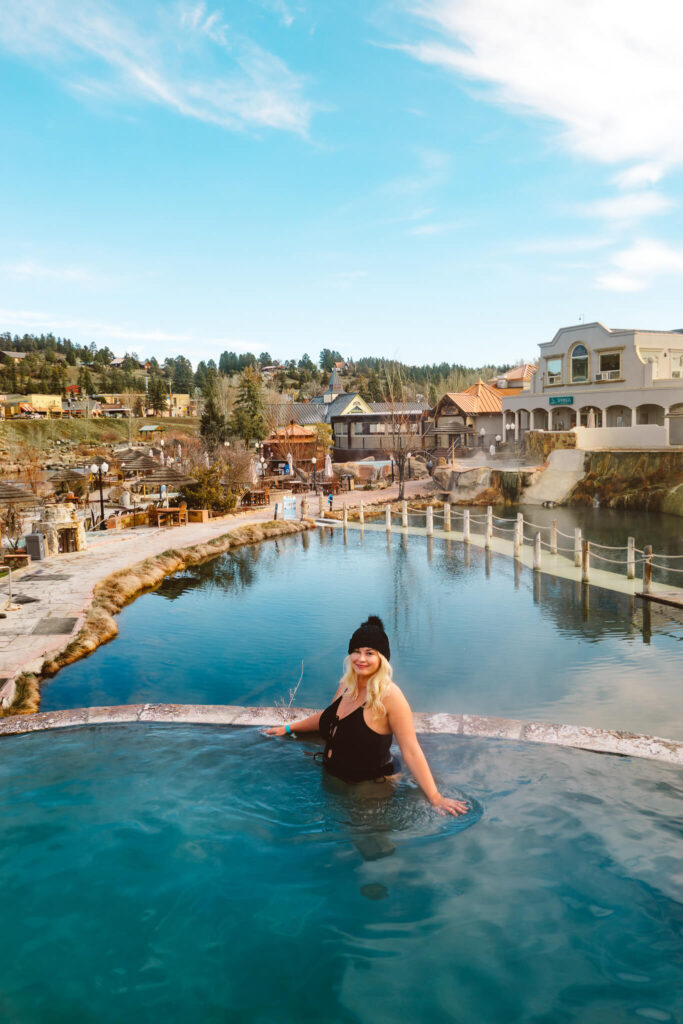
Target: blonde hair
378 684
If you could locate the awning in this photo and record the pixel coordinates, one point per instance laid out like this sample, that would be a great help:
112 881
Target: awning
26 407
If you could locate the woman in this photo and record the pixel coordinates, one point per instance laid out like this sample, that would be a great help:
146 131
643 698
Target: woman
368 710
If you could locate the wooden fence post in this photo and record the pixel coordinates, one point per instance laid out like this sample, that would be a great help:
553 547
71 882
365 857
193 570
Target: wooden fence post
517 538
489 527
466 526
387 518
361 513
553 538
537 551
631 558
586 562
430 520
447 517
345 515
577 546
404 514
647 570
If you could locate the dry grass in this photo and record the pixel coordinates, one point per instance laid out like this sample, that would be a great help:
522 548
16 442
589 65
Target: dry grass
26 697
119 589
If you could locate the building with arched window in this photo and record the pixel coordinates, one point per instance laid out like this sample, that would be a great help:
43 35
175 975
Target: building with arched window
626 384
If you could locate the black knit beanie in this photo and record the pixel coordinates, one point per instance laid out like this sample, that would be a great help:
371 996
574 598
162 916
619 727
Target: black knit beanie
371 634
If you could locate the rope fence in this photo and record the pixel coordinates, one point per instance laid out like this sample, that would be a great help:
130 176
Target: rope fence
523 530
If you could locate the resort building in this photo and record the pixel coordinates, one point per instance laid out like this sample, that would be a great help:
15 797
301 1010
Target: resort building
465 419
363 429
626 384
43 406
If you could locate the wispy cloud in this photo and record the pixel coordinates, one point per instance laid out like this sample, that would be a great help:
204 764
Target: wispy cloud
432 170
629 207
427 230
31 270
563 246
606 72
182 57
637 267
346 278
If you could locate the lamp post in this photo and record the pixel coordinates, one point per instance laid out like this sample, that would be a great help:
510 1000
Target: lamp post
314 461
263 467
498 440
98 470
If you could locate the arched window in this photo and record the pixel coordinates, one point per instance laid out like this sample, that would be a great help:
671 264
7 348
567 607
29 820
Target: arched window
579 364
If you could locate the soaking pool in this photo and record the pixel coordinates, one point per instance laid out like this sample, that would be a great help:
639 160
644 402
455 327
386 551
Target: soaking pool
179 873
469 633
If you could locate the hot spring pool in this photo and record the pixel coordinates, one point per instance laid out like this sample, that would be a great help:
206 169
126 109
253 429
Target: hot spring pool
178 873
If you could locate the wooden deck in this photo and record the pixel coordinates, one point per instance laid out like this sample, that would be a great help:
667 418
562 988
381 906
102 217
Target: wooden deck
671 598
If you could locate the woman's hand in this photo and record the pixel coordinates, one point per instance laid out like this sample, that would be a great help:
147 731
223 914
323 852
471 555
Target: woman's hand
444 805
277 730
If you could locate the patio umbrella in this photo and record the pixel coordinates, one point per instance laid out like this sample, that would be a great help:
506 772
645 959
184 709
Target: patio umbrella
15 494
328 467
66 476
591 418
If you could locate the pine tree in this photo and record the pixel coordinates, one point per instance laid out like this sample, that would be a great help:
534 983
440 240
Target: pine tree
214 426
247 420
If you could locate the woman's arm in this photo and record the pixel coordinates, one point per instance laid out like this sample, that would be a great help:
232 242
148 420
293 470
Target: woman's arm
401 722
309 724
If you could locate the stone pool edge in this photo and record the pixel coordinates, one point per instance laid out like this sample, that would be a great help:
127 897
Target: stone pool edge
20 695
602 741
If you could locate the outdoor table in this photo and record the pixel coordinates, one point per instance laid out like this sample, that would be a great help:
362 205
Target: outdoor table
168 516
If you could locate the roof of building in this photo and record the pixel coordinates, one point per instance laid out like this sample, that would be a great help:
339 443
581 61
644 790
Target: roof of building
479 398
522 373
292 431
400 408
14 355
149 429
335 385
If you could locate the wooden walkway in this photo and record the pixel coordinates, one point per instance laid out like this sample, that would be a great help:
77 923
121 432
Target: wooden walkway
673 598
553 565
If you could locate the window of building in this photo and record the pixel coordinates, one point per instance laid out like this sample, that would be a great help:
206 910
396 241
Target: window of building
554 370
579 364
677 365
609 366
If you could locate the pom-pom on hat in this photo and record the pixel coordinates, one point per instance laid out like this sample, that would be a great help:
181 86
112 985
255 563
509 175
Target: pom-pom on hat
371 634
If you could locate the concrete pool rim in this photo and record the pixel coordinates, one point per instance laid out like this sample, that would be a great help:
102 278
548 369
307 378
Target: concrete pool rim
602 741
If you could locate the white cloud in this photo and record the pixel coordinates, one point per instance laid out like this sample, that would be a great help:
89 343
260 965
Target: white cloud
629 207
433 169
31 270
426 230
606 71
185 58
563 246
636 268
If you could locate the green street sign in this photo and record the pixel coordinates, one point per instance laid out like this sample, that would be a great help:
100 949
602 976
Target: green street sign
561 400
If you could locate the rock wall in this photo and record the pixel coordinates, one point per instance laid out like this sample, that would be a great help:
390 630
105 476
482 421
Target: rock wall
540 443
646 481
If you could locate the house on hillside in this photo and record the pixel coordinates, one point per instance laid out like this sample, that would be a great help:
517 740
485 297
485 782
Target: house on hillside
515 380
12 357
621 382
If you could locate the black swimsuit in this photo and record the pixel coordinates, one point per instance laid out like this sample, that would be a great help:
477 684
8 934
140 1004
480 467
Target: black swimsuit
353 751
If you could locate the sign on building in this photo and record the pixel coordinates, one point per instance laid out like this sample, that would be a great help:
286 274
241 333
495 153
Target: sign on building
289 508
561 400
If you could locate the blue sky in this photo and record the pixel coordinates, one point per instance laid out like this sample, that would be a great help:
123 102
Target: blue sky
431 180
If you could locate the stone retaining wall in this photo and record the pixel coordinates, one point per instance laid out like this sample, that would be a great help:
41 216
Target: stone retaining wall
604 741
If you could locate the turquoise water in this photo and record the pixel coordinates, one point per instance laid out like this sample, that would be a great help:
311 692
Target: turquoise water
182 874
469 633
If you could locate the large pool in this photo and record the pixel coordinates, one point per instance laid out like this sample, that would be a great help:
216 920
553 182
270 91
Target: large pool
180 874
469 633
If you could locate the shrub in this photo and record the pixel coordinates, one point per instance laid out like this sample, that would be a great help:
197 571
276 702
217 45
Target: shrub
208 491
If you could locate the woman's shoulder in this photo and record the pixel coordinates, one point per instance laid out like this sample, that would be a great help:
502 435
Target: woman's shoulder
394 696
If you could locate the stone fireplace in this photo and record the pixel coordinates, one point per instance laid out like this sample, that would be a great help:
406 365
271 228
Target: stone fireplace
62 529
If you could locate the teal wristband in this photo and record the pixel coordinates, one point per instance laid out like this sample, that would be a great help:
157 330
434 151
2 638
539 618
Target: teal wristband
288 730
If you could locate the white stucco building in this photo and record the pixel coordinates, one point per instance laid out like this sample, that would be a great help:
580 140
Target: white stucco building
620 388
